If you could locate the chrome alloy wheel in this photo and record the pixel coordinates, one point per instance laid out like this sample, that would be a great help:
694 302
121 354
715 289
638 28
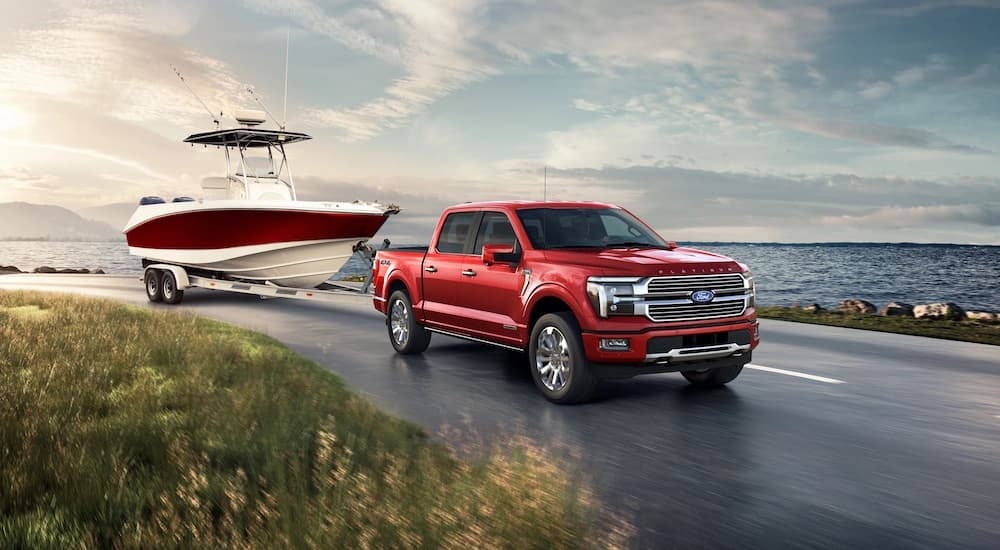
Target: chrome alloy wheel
552 358
399 322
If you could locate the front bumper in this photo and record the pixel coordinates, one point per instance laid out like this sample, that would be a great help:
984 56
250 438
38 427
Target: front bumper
673 350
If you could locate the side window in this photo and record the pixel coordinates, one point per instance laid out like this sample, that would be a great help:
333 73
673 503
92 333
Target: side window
455 232
495 228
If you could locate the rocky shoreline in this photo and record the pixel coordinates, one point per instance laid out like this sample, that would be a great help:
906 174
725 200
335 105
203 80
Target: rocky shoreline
9 269
937 311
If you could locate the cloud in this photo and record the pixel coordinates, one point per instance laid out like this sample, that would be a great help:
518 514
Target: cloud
584 105
917 216
913 75
430 41
912 9
878 134
445 47
690 204
876 90
115 57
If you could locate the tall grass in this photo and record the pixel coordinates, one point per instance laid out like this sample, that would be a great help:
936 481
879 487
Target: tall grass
122 427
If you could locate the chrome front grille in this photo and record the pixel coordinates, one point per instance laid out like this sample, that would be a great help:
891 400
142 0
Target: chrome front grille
686 285
690 311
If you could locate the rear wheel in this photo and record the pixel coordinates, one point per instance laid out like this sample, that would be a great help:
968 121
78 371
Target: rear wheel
710 378
168 288
152 281
405 334
558 363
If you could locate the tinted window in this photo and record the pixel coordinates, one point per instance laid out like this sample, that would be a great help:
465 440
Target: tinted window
455 232
495 228
585 228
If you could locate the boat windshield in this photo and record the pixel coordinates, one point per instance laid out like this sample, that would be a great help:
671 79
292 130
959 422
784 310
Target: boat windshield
256 167
550 228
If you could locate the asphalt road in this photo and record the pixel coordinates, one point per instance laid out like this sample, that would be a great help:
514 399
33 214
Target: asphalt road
890 442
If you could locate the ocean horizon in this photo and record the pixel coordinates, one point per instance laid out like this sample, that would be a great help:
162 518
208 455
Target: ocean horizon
786 273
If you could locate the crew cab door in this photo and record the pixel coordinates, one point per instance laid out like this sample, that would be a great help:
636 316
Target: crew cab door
491 296
444 284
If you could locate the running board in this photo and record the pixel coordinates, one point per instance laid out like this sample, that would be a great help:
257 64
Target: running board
474 339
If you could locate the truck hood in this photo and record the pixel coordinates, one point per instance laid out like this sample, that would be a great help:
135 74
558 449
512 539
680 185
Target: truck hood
645 262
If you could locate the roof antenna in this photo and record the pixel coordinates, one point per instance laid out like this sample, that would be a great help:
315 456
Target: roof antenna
545 183
180 76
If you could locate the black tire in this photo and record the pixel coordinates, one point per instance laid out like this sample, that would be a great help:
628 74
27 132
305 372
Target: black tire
151 279
405 334
558 364
711 378
168 288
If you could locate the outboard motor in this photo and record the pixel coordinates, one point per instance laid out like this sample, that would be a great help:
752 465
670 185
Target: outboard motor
151 200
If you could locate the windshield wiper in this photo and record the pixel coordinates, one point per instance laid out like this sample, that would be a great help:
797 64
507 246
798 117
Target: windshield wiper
634 244
555 246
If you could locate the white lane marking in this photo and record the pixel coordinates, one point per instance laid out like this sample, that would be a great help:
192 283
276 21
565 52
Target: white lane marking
798 374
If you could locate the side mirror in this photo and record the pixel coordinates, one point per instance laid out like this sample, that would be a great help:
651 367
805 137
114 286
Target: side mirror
500 253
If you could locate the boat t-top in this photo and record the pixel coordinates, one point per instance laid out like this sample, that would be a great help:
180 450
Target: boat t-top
249 225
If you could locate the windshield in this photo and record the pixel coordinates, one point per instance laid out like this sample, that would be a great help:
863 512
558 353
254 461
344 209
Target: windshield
586 228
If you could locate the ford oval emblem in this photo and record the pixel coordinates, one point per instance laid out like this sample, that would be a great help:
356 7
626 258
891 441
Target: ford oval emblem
702 296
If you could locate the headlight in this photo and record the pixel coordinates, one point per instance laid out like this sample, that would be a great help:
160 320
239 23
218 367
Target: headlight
612 295
751 288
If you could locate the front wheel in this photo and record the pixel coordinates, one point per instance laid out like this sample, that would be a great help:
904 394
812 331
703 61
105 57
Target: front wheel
152 281
710 378
405 334
558 363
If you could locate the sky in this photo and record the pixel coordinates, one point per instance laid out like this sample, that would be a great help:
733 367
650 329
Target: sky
722 120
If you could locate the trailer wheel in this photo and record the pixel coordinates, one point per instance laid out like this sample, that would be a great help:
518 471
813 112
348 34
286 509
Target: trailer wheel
168 288
405 334
558 363
710 378
152 281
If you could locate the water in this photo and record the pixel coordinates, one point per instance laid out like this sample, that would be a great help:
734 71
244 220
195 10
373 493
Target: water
785 274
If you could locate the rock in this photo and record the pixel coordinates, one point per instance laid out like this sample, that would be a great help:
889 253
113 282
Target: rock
813 308
854 305
45 269
981 316
897 309
98 271
9 269
939 311
72 271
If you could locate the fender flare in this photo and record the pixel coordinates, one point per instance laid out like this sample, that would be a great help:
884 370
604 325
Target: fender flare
550 290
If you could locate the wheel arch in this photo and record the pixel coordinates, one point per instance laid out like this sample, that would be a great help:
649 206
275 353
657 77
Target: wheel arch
549 299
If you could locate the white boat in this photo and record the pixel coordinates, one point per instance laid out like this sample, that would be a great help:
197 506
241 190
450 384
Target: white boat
248 225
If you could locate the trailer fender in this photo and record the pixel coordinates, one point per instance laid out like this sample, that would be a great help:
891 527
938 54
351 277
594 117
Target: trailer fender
180 274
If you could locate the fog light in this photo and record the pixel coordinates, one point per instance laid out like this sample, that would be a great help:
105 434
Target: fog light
614 344
756 331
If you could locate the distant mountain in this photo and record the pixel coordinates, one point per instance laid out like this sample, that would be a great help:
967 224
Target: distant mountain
21 220
114 215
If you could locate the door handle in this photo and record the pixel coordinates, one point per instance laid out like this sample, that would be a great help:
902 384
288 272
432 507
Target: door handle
469 273
431 269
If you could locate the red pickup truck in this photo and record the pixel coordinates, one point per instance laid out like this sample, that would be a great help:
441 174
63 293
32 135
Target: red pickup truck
586 289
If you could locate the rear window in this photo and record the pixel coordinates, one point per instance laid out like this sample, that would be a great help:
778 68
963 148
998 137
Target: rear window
455 232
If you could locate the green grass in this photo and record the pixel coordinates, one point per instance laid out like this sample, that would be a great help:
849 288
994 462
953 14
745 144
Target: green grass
124 427
967 331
